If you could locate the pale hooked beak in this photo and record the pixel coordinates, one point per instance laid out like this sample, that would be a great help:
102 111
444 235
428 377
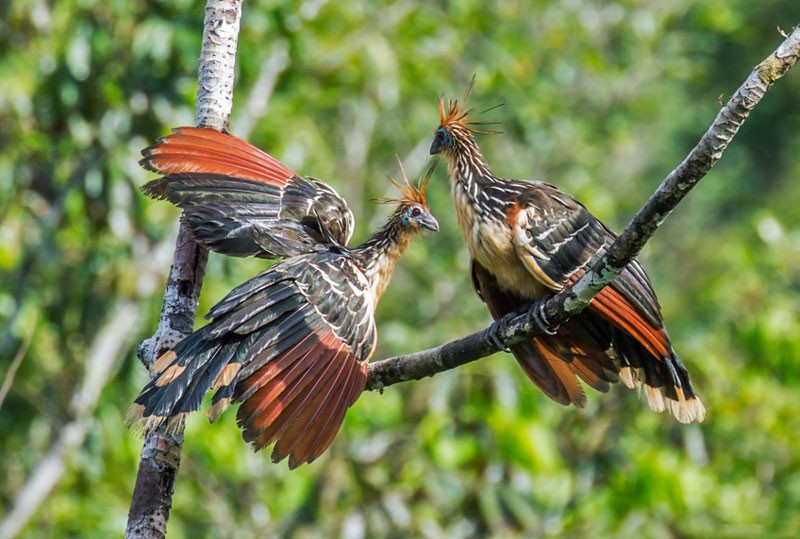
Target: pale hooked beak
430 222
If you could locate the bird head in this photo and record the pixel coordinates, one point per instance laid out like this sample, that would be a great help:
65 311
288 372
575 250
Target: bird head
455 126
442 141
416 216
412 212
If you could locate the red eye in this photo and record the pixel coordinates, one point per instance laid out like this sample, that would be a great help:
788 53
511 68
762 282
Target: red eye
416 212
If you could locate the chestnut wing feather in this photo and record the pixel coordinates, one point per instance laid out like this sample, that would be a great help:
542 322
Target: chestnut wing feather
240 201
559 239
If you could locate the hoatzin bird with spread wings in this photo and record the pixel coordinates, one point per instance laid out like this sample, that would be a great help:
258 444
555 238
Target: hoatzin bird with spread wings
291 344
527 240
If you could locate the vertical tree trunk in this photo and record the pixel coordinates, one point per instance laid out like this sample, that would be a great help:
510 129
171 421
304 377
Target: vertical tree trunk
161 453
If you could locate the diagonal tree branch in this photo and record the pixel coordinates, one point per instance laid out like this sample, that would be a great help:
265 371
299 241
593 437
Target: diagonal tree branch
161 453
550 313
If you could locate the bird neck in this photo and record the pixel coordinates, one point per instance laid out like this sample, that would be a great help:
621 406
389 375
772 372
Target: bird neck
467 166
378 255
473 190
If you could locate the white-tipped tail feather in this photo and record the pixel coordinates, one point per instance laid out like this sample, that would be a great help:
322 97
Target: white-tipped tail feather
683 409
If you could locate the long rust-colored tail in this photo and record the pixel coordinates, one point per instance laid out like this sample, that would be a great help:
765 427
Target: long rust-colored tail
646 356
608 342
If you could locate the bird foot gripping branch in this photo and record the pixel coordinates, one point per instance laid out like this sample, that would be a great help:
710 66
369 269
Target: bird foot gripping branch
497 331
535 316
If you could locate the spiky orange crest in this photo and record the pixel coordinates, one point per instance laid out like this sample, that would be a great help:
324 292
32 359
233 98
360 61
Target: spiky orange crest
455 114
409 194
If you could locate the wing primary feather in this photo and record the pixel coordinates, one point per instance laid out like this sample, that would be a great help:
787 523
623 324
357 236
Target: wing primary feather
356 382
324 414
272 422
289 364
272 396
270 346
301 429
257 314
267 410
260 284
186 147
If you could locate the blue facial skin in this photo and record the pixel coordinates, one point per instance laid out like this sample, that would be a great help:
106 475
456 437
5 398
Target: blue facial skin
422 218
441 140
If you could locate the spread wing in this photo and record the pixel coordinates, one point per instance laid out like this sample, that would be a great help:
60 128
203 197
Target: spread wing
240 201
291 345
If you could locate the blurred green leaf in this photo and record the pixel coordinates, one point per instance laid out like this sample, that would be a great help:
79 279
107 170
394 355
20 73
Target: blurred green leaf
602 99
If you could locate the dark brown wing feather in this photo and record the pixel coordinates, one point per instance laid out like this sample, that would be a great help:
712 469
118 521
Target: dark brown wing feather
240 201
582 345
621 332
295 360
567 240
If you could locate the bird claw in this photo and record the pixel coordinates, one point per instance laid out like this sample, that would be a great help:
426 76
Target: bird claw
497 328
537 317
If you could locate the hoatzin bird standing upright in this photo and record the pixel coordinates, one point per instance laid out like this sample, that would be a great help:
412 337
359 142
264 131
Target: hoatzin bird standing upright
291 344
528 240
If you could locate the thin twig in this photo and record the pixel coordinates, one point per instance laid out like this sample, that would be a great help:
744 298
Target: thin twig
105 350
12 370
558 308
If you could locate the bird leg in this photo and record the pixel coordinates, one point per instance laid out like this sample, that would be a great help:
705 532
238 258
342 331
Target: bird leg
537 317
497 329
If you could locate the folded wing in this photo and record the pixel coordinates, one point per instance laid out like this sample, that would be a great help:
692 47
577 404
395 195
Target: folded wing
621 336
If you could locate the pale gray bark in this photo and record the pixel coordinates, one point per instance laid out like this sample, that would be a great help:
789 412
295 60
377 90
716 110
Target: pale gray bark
161 453
216 70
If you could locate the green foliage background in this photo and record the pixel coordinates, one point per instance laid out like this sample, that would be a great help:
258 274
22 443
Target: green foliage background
601 98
